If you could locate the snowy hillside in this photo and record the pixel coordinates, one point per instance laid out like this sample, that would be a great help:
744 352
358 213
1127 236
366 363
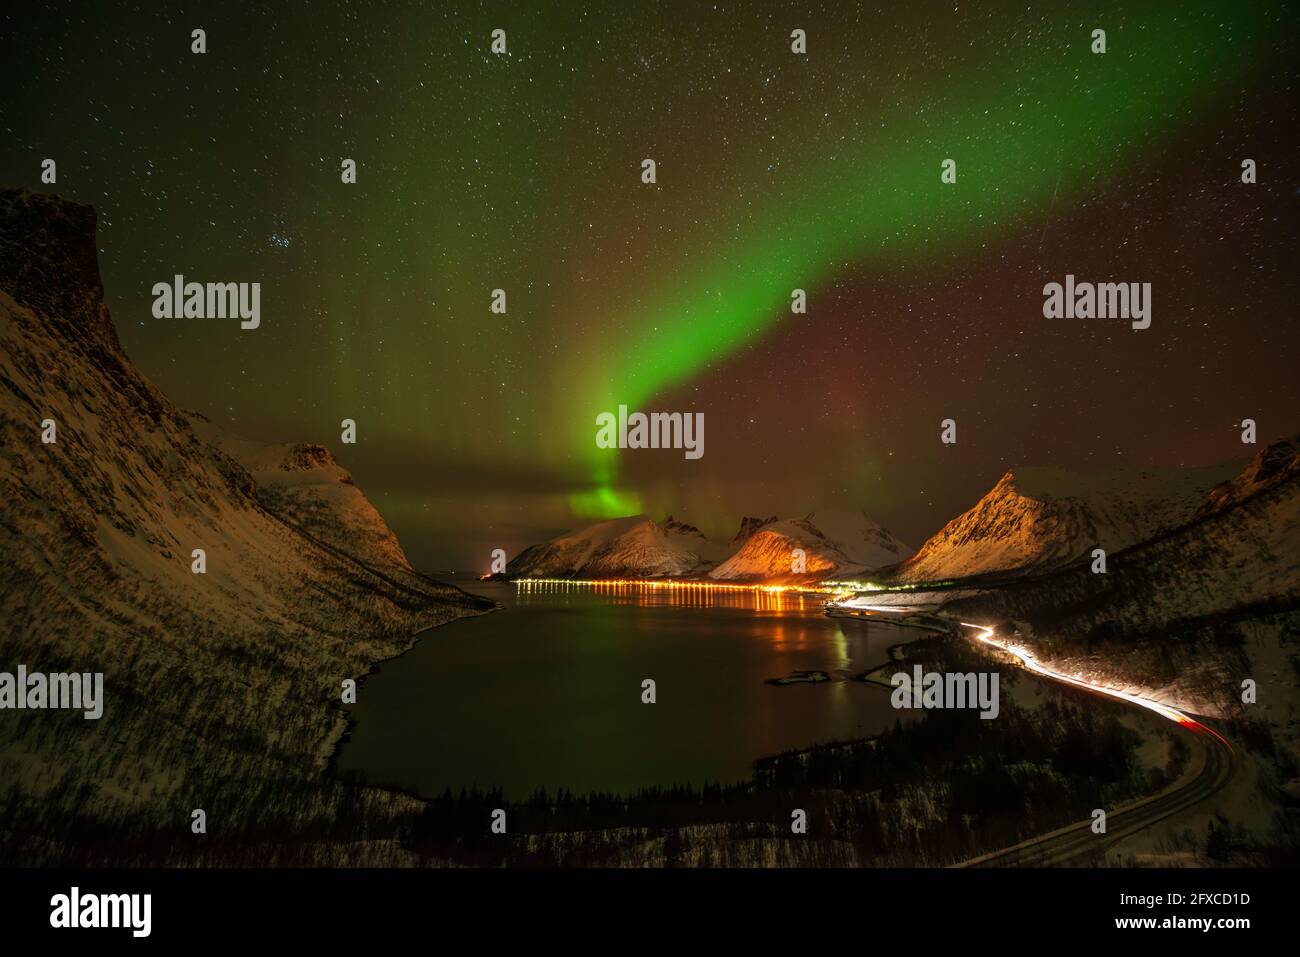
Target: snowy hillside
748 526
216 684
1035 519
1170 615
835 543
633 547
1274 465
638 547
303 484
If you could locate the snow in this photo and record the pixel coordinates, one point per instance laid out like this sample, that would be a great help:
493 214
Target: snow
1045 517
305 482
225 681
631 547
638 547
835 543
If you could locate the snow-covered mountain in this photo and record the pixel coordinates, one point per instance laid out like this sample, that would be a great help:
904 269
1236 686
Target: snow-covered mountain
835 543
1035 519
1186 615
303 483
1273 465
632 547
216 684
638 547
748 526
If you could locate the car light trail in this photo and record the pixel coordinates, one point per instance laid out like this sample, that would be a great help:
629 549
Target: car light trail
1030 661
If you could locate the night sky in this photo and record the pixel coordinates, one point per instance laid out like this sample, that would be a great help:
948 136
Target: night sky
775 171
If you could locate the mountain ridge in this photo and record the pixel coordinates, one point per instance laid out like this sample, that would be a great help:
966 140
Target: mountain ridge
220 685
638 547
1181 591
634 546
1037 518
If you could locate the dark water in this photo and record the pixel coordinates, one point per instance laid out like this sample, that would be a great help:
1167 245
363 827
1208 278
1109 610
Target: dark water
548 691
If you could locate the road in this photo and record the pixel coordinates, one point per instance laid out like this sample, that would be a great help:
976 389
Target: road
1210 768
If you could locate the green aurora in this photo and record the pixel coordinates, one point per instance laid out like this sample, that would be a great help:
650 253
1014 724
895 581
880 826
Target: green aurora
882 200
521 172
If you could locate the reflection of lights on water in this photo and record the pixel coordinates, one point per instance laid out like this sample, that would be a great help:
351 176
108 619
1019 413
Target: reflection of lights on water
674 584
701 594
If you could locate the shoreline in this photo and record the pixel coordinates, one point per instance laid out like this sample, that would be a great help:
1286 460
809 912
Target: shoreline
348 722
813 677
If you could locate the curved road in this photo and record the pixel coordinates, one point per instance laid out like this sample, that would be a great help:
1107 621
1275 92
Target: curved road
1211 767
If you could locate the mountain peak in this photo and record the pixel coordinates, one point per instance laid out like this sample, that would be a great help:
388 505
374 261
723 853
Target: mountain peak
306 455
833 541
1276 460
631 547
49 263
672 525
1271 465
1042 517
748 526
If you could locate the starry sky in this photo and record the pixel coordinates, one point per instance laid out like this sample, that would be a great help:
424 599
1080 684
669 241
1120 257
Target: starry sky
775 170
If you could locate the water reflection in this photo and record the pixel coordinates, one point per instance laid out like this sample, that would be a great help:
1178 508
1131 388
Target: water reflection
548 691
761 598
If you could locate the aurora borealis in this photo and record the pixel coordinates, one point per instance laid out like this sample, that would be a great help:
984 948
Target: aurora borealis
775 171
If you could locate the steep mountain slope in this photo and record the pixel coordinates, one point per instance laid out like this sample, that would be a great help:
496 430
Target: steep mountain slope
633 547
638 547
866 543
221 686
303 484
834 543
1035 519
1274 464
748 526
1166 617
